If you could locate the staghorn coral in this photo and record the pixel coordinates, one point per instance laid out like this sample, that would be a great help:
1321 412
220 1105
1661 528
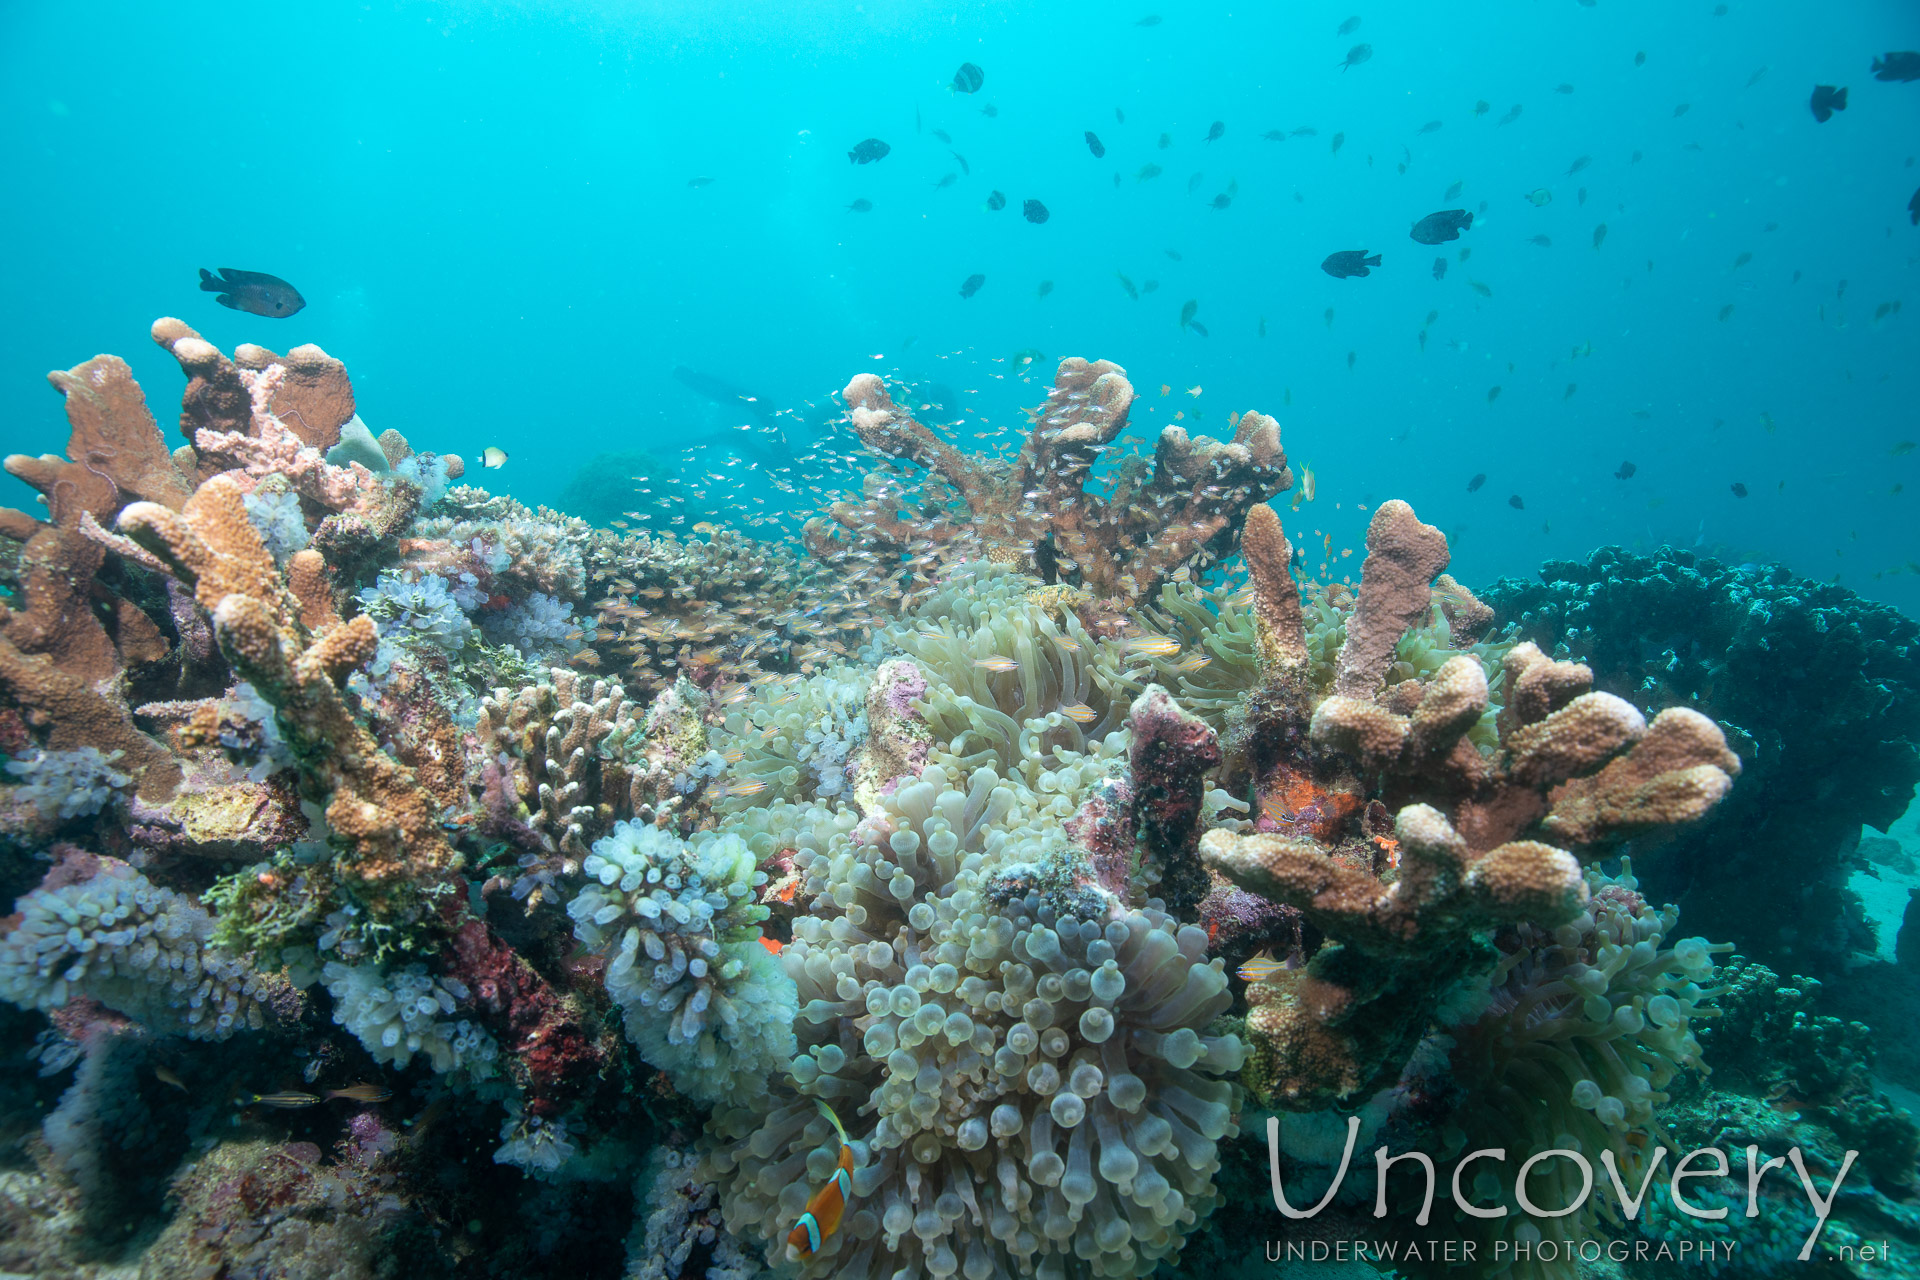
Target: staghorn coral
677 923
989 1055
98 928
1036 511
1403 911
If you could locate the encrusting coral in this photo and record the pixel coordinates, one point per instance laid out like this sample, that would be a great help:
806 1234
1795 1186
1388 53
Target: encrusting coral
1036 512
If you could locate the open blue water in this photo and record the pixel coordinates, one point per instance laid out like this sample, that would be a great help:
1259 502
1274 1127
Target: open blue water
488 209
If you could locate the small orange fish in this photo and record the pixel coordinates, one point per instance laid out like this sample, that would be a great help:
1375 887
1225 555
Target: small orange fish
1079 713
824 1211
772 944
996 664
1194 662
745 789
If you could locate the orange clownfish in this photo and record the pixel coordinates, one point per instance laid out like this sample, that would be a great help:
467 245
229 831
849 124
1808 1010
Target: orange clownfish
822 1217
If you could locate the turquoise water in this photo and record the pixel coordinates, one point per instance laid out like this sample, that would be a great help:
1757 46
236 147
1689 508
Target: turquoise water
625 246
488 209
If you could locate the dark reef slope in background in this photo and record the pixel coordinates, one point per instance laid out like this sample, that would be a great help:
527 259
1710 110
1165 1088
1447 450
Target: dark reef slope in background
1819 692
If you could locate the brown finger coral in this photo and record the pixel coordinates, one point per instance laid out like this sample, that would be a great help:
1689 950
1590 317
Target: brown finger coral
387 823
1481 838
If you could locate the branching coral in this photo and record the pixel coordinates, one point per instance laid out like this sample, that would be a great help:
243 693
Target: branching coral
58 661
934 828
1466 852
1028 1086
1036 511
552 756
392 849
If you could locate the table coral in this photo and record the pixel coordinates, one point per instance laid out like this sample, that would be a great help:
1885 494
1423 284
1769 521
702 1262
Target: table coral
1036 511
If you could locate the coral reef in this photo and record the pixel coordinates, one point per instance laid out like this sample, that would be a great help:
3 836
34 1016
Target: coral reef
967 1015
679 928
682 1234
1404 899
1036 512
1773 1041
399 1013
556 893
1819 693
98 928
1573 1041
